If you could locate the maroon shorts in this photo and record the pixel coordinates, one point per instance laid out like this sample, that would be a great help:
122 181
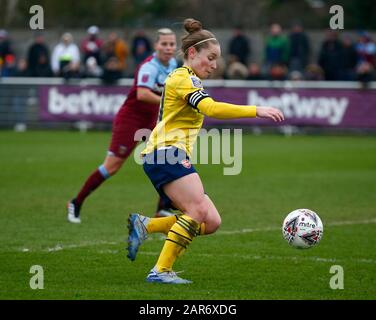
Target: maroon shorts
126 123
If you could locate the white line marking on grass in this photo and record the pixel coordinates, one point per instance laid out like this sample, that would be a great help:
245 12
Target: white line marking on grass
255 257
250 257
247 230
293 258
344 223
60 247
331 224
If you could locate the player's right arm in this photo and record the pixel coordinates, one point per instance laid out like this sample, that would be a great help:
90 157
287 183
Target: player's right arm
148 96
146 79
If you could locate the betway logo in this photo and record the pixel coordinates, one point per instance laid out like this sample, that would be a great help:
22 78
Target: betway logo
87 102
294 106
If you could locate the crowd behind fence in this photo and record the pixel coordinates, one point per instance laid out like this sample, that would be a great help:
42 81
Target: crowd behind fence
279 55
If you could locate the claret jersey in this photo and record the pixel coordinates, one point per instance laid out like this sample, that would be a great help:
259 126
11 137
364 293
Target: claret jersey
136 114
150 74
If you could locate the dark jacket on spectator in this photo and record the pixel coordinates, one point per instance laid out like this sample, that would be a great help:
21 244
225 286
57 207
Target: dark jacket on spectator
239 47
299 50
331 59
38 61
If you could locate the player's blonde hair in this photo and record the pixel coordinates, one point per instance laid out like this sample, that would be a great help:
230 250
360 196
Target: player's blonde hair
163 32
197 36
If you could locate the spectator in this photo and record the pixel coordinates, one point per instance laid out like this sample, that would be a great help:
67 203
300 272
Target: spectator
9 66
43 68
235 69
5 45
38 58
366 49
277 47
66 58
22 69
331 57
349 59
141 47
112 68
91 45
92 69
314 72
365 73
299 48
278 72
111 71
254 72
295 75
118 48
239 46
366 53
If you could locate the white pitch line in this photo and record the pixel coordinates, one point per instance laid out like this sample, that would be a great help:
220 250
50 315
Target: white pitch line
246 230
255 257
332 224
343 223
60 247
293 258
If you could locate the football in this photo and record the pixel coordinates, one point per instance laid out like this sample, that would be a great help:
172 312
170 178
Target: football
302 228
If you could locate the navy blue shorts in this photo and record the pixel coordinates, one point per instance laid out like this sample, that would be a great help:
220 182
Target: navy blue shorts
166 165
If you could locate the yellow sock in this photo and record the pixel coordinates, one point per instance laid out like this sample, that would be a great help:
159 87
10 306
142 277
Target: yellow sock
179 237
161 224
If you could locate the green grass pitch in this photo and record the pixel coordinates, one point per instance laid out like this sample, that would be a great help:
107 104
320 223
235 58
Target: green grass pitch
246 259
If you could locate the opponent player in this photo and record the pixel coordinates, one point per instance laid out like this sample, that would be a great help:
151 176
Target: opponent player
168 151
139 111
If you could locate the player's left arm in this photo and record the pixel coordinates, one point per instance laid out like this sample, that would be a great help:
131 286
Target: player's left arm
201 101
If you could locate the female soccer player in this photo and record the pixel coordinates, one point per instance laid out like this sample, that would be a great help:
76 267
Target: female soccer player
139 111
166 157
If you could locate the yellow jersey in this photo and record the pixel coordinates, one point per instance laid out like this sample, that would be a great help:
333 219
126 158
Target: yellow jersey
184 104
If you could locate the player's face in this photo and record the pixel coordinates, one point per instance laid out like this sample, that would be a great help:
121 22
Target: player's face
165 47
204 62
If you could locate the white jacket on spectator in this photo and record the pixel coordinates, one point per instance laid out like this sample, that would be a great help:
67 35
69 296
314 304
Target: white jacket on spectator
67 51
